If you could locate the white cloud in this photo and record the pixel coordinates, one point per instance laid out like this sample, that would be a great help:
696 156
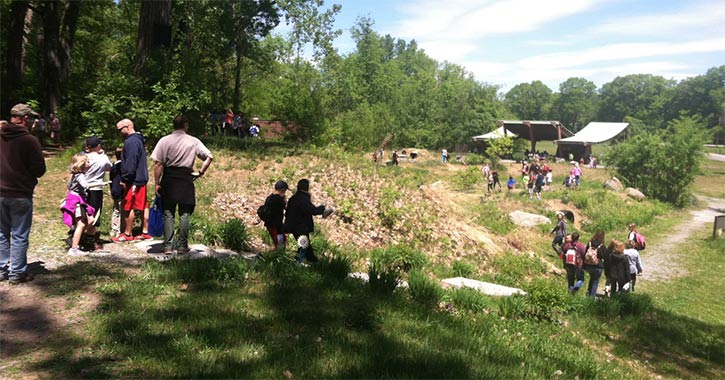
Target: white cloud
696 17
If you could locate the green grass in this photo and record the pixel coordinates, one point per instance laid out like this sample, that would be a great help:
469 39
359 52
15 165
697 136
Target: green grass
712 180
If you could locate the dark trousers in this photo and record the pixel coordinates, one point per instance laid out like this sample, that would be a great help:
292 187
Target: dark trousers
185 211
632 281
95 199
305 253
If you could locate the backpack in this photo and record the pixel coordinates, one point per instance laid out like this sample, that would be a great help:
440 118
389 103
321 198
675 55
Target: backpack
591 258
639 241
263 213
570 256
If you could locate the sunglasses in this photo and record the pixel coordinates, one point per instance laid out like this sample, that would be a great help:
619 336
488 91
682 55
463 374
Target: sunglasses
122 128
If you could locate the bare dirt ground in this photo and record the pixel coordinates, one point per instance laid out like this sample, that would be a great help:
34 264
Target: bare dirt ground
662 261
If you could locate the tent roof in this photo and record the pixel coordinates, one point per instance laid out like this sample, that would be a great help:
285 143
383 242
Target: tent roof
543 130
595 133
495 134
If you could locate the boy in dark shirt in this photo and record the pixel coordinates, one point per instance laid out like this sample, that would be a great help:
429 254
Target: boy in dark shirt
275 205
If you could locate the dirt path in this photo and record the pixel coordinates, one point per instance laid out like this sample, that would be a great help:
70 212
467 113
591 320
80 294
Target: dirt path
662 261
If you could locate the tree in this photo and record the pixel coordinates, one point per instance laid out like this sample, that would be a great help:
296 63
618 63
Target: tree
530 101
575 104
20 15
662 165
642 96
60 19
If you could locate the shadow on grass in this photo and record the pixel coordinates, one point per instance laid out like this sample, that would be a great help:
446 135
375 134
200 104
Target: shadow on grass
664 338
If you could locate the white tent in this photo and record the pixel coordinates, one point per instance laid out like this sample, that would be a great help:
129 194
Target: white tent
594 133
495 134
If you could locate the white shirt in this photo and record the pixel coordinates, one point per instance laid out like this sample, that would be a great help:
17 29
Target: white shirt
98 165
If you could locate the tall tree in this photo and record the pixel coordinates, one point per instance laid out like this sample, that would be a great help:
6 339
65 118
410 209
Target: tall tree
642 96
60 19
575 104
530 101
153 39
20 15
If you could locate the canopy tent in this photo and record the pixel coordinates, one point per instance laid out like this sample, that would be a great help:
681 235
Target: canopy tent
495 134
536 130
580 145
594 133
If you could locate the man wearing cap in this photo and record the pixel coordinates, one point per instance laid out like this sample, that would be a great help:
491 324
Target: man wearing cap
98 165
274 206
134 177
174 176
21 164
298 219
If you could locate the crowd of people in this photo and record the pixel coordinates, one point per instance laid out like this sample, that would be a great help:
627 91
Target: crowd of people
234 124
619 261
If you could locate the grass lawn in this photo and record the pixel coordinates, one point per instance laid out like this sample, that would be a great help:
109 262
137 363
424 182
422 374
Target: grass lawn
271 318
711 182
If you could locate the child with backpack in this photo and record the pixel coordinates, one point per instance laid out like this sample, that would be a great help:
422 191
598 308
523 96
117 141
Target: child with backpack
272 214
77 213
594 255
635 264
639 241
573 259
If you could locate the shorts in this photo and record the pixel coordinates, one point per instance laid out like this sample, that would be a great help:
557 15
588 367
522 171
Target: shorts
137 200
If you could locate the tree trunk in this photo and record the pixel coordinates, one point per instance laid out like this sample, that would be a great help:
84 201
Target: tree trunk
60 19
237 80
154 31
15 53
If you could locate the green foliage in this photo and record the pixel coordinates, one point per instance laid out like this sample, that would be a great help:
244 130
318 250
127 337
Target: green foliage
638 95
575 103
500 147
389 210
424 290
468 178
336 267
612 212
462 269
471 300
662 165
382 279
221 272
514 269
547 299
234 235
530 101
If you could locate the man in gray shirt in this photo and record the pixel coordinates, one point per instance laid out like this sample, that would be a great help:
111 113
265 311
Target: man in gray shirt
174 176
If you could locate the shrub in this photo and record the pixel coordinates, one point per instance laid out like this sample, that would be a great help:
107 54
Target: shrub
234 235
462 269
424 290
466 179
278 264
547 299
470 299
408 258
512 307
664 164
491 217
222 272
336 267
383 278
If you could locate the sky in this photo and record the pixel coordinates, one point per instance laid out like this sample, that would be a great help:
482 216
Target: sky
507 42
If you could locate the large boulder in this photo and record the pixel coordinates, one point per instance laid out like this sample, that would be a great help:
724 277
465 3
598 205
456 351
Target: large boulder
525 219
614 184
634 193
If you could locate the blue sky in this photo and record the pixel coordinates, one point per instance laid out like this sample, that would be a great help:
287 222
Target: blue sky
514 41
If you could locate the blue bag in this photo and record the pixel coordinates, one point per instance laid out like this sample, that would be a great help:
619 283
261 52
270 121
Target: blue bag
156 218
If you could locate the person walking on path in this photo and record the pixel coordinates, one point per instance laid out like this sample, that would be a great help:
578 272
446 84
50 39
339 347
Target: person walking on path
616 267
21 164
98 165
174 177
134 178
54 126
593 261
635 263
560 232
573 259
298 219
274 206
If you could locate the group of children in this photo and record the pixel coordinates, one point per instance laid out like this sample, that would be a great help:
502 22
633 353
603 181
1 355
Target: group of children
83 203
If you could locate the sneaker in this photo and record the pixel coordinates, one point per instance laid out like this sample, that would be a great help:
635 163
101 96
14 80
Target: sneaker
75 252
182 251
144 236
122 238
27 277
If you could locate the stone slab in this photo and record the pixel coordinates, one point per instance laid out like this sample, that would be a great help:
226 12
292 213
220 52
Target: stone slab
483 287
154 249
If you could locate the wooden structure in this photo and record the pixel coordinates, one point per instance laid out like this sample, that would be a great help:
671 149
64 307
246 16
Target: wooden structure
536 130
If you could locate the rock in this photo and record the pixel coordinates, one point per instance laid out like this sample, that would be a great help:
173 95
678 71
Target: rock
483 287
614 184
634 193
526 219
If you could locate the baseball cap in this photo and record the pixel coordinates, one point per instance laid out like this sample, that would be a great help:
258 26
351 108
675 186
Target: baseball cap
281 185
93 142
22 109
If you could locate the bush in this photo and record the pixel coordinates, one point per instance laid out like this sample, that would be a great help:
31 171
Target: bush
491 217
425 291
336 267
222 272
278 264
462 269
408 258
466 179
234 235
470 299
513 307
662 165
547 299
